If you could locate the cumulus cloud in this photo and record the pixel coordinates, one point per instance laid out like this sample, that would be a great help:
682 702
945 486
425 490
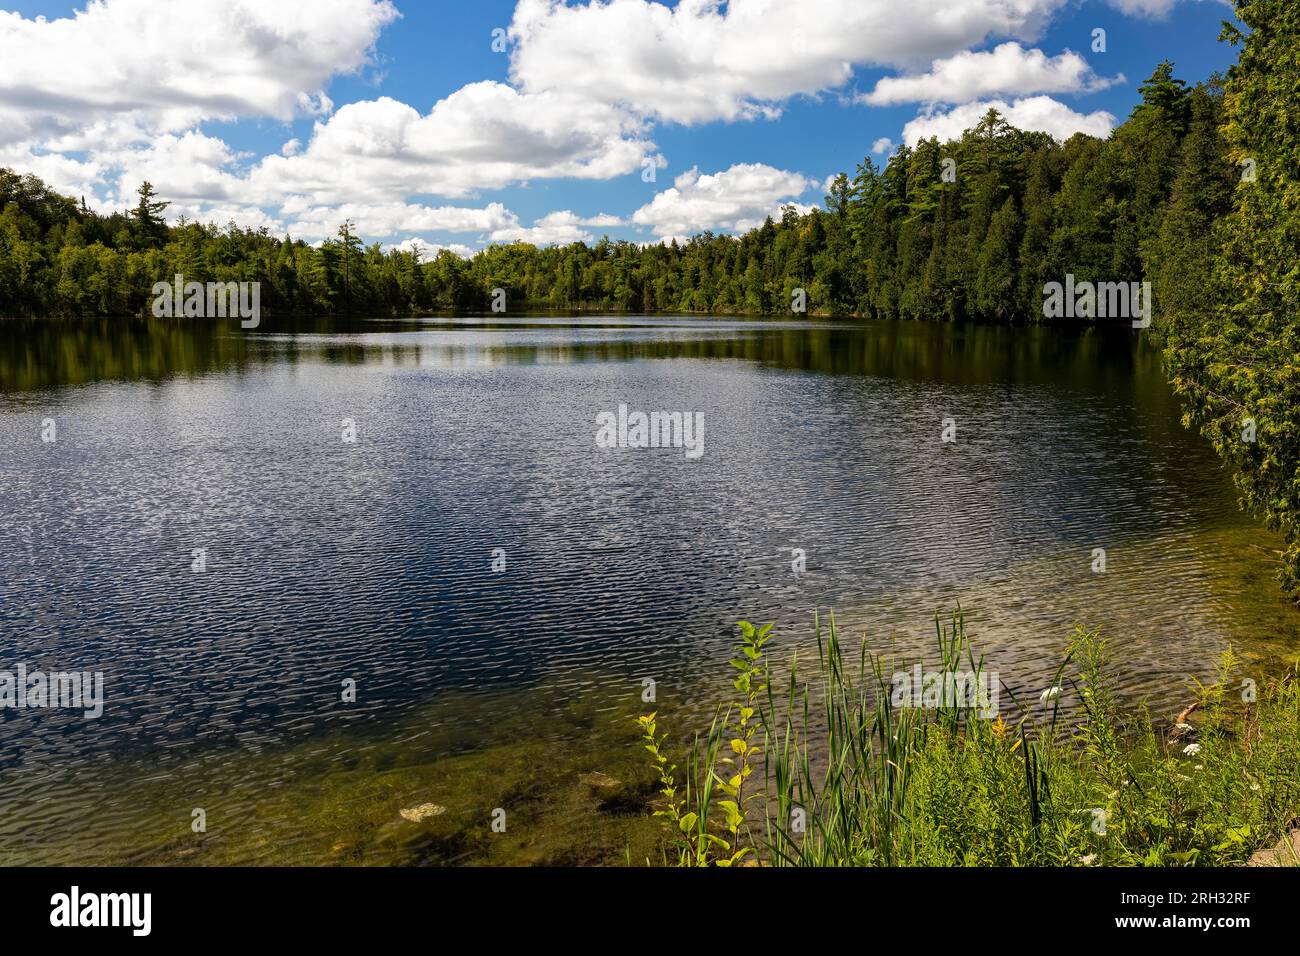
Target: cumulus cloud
735 200
1035 113
493 222
705 60
66 174
243 215
1150 9
133 117
483 136
369 158
191 166
1007 69
882 146
556 228
396 218
429 250
603 221
118 61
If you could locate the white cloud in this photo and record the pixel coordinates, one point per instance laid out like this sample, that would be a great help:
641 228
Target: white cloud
735 199
1007 69
1150 9
116 93
604 221
130 64
493 222
429 250
1035 113
483 136
882 146
189 167
222 214
64 174
557 228
703 60
188 170
369 159
395 218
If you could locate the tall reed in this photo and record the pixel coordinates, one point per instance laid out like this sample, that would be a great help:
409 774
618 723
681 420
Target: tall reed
855 775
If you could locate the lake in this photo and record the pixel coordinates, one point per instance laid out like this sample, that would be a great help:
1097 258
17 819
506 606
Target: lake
332 570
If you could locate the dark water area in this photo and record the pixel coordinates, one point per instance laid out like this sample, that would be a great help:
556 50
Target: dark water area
480 686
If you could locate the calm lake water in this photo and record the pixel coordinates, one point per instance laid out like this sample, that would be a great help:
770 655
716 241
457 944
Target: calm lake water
482 689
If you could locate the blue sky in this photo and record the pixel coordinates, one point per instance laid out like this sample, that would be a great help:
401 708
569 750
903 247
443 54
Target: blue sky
429 134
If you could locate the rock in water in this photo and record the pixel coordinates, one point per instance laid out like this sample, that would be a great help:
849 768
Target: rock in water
1286 853
598 779
422 812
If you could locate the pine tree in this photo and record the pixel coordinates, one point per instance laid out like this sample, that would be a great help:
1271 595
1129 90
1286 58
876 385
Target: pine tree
1181 255
837 199
996 280
1167 96
146 218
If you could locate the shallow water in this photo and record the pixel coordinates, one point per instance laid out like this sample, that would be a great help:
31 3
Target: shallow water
372 561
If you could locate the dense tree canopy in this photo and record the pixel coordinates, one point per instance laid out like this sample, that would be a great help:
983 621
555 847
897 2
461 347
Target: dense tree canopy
1230 258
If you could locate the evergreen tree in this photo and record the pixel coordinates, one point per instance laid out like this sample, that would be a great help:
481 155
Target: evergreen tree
146 218
1166 96
1238 367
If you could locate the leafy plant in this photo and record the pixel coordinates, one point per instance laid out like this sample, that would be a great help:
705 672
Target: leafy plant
855 777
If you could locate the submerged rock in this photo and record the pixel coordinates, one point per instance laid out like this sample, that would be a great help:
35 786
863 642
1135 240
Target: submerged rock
422 812
1286 853
598 779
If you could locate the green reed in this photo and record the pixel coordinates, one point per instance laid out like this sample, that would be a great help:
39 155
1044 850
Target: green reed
852 776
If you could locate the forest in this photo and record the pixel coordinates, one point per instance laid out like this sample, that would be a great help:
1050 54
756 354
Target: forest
1196 193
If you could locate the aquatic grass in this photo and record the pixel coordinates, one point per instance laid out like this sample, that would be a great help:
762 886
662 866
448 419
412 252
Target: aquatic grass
854 777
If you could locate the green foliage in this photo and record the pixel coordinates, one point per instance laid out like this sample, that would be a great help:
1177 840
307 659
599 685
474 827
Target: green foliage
854 779
1234 346
59 258
741 730
694 821
146 219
